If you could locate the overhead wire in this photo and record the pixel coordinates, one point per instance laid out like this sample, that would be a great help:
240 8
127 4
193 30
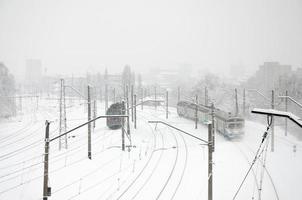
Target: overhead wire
269 122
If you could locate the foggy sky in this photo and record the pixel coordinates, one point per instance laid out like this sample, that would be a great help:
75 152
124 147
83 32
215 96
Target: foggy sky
76 35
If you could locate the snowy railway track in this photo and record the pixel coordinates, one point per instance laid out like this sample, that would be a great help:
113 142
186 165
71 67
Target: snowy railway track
173 168
155 166
143 169
172 172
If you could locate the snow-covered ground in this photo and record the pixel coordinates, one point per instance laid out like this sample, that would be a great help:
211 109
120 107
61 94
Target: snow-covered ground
163 163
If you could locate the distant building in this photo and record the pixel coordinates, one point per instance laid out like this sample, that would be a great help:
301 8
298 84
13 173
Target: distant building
269 75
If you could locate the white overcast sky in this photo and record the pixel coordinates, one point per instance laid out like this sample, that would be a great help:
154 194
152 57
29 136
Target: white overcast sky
75 35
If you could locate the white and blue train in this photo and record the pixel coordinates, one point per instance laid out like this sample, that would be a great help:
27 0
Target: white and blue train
230 126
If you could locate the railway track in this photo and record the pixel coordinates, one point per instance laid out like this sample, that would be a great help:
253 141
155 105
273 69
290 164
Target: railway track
141 171
175 163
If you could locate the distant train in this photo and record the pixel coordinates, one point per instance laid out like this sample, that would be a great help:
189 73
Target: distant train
226 124
115 109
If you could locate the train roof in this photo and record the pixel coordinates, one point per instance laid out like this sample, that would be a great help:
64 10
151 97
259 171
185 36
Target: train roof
223 115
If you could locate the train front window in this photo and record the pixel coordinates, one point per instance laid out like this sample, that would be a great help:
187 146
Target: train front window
235 125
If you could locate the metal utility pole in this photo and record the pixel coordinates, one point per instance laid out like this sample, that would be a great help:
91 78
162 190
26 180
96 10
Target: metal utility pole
89 124
236 103
272 126
167 104
134 96
243 104
128 122
196 111
213 125
210 162
46 189
94 112
286 104
131 93
178 94
127 100
123 126
106 97
63 120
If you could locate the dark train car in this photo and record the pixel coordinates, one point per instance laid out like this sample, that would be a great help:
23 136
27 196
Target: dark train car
115 109
226 124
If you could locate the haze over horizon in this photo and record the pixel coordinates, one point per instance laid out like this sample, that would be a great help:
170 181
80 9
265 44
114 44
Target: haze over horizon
76 36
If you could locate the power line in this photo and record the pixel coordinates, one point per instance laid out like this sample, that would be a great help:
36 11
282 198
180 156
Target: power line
269 121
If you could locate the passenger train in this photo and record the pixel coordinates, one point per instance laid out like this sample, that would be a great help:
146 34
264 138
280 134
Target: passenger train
230 126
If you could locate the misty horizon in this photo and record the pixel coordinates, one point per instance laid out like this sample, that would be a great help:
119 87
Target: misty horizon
79 36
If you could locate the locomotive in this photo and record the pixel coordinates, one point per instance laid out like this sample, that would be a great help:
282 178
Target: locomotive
230 126
115 109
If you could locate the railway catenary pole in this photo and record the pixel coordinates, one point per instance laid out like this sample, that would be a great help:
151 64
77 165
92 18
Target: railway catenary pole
127 99
64 114
134 99
272 126
94 112
46 156
286 104
167 104
89 124
210 145
63 120
46 189
131 93
213 125
128 119
61 111
196 111
123 126
210 161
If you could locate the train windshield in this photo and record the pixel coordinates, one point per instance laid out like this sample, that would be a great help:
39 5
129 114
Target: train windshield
236 123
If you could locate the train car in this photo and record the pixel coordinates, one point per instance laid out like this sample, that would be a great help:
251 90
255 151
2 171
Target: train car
115 109
225 123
